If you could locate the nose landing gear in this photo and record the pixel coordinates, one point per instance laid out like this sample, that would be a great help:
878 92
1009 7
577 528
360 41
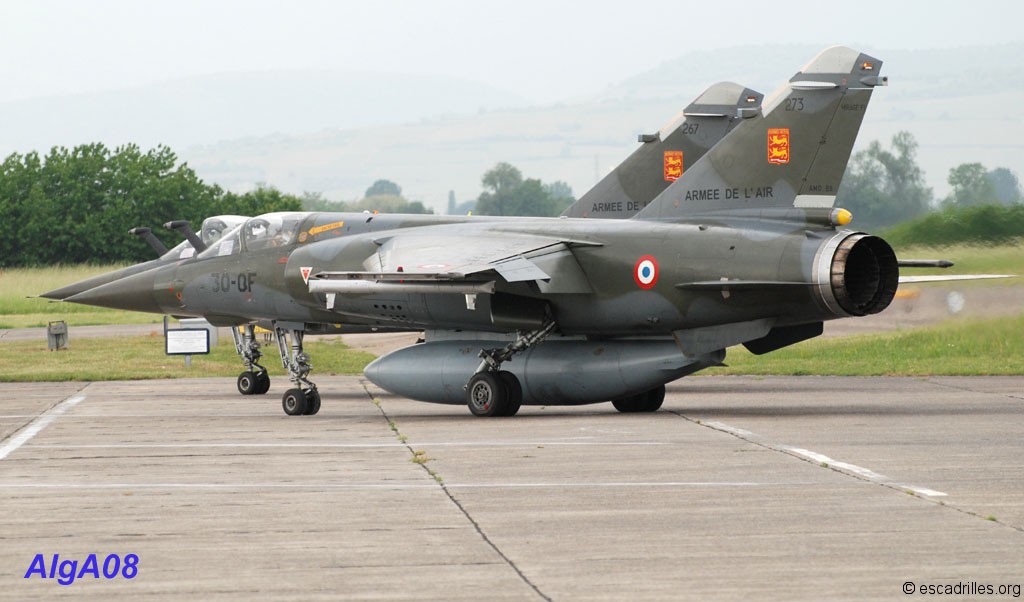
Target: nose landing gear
303 399
250 382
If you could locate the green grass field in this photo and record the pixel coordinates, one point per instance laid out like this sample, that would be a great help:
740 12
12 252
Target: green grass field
970 259
967 348
19 310
137 358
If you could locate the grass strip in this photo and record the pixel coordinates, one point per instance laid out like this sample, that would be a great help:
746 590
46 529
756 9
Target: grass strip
968 348
143 357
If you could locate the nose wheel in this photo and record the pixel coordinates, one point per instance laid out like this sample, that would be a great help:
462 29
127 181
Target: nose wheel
297 402
294 402
253 383
303 399
255 380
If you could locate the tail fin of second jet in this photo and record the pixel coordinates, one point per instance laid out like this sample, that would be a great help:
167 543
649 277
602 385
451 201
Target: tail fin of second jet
664 156
792 155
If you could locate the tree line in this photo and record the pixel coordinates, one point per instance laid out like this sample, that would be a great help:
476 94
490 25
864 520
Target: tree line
883 187
77 205
506 192
383 196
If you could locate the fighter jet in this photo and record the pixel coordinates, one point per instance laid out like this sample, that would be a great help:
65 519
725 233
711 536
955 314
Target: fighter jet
744 247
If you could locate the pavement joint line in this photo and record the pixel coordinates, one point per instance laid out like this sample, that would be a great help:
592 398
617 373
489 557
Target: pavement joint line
391 486
652 484
440 483
33 428
257 486
922 493
932 381
822 460
338 445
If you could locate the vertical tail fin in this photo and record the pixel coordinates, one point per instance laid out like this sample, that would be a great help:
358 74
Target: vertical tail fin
791 156
663 157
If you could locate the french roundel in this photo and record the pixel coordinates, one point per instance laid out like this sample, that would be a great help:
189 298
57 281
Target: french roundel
645 272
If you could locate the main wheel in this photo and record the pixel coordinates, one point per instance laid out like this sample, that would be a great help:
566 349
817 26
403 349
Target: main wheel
515 392
312 402
248 383
654 398
626 405
648 401
486 395
264 381
294 402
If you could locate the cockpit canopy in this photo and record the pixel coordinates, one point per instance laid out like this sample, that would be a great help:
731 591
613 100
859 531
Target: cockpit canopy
216 227
212 230
272 230
261 232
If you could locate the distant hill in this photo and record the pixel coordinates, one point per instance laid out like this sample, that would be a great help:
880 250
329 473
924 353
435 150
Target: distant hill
917 74
960 104
200 110
336 133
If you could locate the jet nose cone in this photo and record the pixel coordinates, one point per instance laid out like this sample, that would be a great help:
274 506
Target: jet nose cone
133 293
59 294
81 286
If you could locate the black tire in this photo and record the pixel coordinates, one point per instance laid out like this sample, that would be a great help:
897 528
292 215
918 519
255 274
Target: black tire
312 402
655 397
486 395
264 382
294 402
626 405
248 383
515 392
648 401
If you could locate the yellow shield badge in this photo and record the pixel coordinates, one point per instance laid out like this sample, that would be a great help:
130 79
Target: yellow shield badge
778 146
673 165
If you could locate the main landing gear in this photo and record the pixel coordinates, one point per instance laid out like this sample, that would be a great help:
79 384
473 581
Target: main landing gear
250 382
495 392
303 399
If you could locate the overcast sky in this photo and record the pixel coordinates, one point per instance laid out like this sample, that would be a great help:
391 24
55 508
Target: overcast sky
545 51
